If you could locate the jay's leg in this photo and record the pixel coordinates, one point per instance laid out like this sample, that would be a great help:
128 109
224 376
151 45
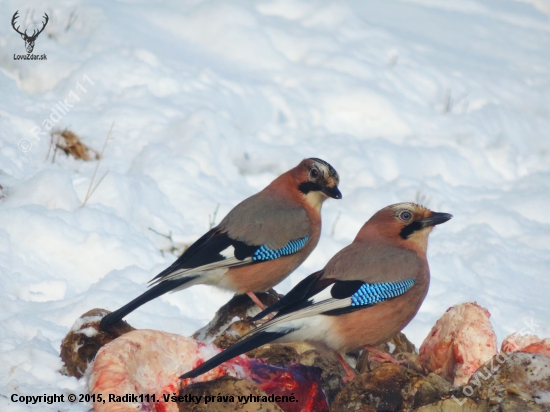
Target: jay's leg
255 299
258 302
350 373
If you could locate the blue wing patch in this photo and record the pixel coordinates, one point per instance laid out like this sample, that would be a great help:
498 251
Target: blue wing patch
265 253
370 294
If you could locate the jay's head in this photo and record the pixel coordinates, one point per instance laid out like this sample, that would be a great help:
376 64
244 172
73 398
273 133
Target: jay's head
408 224
317 181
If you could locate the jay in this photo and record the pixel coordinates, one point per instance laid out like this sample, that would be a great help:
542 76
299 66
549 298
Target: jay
366 293
259 243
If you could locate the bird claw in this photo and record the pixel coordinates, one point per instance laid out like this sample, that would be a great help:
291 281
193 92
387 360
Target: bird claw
383 357
387 359
347 378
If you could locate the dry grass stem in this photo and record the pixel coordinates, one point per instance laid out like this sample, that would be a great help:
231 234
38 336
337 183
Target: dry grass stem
90 190
176 249
212 217
332 230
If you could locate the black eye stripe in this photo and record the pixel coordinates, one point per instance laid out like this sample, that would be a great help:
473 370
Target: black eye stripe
307 187
410 229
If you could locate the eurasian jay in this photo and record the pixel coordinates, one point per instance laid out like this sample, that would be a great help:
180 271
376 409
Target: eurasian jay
366 293
259 243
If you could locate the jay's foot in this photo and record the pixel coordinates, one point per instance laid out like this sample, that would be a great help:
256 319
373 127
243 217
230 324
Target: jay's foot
383 357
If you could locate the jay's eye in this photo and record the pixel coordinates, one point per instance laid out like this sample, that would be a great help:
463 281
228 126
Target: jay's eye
405 215
314 173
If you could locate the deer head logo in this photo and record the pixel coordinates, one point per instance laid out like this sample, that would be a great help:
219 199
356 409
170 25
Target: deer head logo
29 40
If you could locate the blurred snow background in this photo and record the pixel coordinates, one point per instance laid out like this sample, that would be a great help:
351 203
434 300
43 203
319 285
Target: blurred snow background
447 101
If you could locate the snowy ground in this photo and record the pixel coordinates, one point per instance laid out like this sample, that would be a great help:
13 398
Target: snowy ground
442 100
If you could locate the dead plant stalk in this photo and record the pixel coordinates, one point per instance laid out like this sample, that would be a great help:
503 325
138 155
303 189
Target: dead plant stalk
90 190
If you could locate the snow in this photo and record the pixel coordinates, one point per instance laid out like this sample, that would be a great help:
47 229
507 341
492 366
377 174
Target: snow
444 101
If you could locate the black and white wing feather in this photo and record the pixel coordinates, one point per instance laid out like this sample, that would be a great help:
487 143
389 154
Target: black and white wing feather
324 296
217 250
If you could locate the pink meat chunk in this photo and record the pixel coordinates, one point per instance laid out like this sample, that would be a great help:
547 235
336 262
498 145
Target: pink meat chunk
147 362
459 343
526 343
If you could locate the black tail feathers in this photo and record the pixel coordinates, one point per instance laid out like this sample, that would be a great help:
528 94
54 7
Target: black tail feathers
235 350
150 294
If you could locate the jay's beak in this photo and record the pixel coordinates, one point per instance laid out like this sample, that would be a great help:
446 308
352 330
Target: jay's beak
435 219
333 192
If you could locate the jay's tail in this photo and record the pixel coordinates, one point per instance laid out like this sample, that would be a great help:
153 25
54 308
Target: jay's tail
242 346
154 292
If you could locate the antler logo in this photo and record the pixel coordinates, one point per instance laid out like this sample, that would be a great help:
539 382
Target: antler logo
29 40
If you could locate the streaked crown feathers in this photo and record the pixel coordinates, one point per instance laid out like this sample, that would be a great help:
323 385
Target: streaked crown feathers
326 168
